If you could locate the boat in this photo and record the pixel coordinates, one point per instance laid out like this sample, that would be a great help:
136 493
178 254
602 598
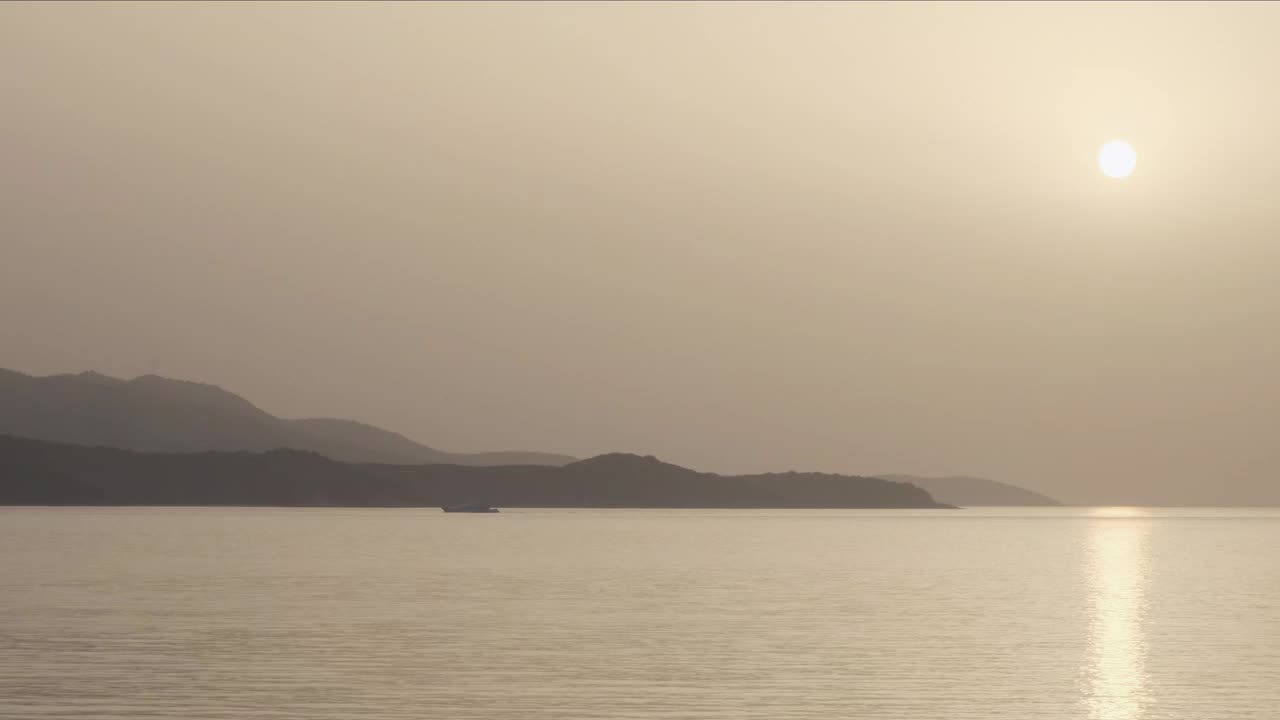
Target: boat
469 508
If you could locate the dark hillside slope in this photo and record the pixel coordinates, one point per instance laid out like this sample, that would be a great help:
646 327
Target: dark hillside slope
34 472
975 491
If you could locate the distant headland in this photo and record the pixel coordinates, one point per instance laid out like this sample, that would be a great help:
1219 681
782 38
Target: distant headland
34 472
129 430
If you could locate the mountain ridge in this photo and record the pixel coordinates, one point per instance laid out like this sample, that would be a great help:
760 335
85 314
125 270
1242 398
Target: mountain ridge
151 413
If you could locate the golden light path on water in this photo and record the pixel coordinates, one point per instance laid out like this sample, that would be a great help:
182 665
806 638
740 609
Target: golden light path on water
1118 578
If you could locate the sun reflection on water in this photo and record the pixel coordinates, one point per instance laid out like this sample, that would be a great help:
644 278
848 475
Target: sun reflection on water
1117 577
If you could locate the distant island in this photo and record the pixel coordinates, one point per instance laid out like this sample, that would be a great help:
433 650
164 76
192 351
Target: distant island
35 472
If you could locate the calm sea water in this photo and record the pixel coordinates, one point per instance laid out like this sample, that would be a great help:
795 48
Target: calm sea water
324 614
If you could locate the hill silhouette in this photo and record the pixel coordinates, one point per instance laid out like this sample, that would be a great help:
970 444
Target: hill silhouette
35 472
975 491
156 414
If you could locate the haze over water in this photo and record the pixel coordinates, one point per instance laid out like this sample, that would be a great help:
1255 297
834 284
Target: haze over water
693 254
556 614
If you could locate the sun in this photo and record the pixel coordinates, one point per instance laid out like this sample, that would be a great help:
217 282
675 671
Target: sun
1117 159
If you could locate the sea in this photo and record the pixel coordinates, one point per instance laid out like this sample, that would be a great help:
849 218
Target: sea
390 614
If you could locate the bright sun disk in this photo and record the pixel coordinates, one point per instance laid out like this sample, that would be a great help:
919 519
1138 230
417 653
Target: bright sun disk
1117 159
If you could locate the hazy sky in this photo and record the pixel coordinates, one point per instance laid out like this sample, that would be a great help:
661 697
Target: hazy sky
848 237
